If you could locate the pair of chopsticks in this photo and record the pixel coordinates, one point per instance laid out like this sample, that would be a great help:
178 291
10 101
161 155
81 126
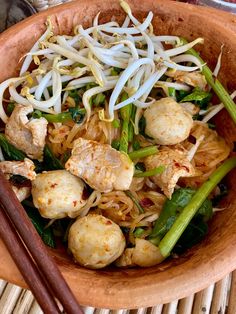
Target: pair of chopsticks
29 253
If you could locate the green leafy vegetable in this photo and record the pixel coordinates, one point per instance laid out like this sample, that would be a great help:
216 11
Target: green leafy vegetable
140 166
198 97
10 107
142 127
194 233
171 210
115 144
115 71
40 223
10 151
77 114
53 118
189 211
180 94
223 192
206 210
50 162
75 95
136 145
171 92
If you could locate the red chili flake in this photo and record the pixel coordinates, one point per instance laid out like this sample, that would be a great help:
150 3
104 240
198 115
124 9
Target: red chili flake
74 203
108 222
146 202
181 166
53 185
177 164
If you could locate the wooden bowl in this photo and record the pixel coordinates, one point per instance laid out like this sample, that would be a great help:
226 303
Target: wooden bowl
214 257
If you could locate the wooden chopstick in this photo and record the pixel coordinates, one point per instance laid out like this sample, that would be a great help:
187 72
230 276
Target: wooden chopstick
26 265
36 247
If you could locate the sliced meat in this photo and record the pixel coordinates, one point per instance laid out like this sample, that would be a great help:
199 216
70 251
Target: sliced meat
176 166
101 166
26 135
23 168
195 79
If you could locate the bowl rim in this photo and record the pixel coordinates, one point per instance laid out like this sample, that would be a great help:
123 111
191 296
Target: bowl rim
108 292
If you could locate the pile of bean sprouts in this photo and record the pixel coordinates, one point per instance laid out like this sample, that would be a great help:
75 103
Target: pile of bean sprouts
63 63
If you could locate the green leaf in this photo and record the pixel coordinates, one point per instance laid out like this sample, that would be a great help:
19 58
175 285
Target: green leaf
10 151
77 114
40 223
173 207
180 94
170 211
206 210
194 233
136 145
75 95
223 192
115 144
50 162
171 92
197 95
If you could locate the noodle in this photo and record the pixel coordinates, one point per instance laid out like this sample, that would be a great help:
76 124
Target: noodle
212 151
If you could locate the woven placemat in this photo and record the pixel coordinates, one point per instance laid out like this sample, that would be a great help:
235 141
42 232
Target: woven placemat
218 298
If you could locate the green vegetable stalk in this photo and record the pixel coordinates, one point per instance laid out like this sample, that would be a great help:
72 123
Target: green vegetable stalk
171 210
149 173
74 114
216 85
125 113
168 242
143 152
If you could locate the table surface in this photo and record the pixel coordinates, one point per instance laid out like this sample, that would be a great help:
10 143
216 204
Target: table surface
218 298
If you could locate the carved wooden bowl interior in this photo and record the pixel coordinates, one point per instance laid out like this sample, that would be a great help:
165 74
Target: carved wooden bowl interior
216 255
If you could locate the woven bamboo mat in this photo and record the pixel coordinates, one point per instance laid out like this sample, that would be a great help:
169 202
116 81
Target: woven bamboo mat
218 298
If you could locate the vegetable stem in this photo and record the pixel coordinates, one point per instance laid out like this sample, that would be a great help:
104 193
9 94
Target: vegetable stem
125 113
143 152
124 137
60 117
150 173
215 84
168 242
